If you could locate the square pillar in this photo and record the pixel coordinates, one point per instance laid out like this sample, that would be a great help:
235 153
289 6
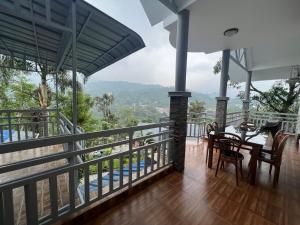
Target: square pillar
246 104
221 111
178 114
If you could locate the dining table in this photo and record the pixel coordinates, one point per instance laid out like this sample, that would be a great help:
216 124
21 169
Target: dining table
253 145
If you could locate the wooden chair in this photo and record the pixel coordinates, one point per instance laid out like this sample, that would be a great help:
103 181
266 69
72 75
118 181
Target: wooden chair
209 128
230 145
274 157
278 137
247 126
215 126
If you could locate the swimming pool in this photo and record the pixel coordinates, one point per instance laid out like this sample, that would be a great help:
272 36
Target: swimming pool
5 136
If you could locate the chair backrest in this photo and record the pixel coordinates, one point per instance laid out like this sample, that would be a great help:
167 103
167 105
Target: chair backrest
277 139
277 154
247 126
215 125
229 142
209 128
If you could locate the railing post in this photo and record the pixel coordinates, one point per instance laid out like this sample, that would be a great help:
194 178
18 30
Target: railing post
8 207
31 204
72 161
9 126
1 209
130 159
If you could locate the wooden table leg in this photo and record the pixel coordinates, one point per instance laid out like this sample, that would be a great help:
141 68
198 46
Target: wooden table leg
210 152
253 164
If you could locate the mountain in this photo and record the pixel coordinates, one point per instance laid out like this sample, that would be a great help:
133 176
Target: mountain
137 94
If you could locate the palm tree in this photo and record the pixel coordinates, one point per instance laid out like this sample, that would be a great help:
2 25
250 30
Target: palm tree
104 103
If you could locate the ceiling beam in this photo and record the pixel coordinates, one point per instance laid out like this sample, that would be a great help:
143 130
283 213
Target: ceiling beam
67 46
48 10
238 63
35 36
170 4
9 9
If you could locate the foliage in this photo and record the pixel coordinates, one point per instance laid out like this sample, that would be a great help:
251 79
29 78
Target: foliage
85 104
103 104
18 94
217 67
281 97
126 117
8 74
196 107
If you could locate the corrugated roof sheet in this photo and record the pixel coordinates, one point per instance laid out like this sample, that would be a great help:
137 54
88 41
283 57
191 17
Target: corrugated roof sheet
39 31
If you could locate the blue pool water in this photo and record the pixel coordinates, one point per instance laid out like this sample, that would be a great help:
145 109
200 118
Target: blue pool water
116 177
5 136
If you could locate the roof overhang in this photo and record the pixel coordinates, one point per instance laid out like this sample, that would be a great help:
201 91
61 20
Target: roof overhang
41 32
269 30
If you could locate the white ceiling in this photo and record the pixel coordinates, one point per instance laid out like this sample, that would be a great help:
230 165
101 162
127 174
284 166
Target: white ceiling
269 29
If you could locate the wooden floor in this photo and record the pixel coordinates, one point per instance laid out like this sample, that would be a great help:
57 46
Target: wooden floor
42 186
198 197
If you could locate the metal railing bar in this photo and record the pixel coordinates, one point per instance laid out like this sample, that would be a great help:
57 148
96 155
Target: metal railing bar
48 141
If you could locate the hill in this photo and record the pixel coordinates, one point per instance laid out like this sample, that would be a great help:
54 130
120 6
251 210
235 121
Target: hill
133 94
147 102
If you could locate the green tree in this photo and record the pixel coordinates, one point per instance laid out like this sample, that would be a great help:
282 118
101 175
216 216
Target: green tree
85 105
196 107
103 104
126 117
281 97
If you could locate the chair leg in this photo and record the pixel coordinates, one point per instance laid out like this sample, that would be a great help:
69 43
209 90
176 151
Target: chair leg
236 174
270 169
241 168
259 163
222 165
276 176
206 154
218 165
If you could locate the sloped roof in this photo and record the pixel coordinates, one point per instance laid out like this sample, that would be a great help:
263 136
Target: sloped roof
41 31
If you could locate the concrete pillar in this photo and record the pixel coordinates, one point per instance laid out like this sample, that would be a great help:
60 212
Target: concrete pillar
246 101
181 49
178 113
221 108
179 98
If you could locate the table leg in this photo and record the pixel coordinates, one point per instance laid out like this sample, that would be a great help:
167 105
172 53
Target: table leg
210 152
253 164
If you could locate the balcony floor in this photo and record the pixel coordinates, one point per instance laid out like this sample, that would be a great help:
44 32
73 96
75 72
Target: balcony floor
42 186
198 197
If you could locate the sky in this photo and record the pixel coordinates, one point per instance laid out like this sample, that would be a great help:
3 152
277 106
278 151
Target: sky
155 64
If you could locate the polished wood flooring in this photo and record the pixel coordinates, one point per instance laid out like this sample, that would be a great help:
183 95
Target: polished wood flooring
197 197
42 186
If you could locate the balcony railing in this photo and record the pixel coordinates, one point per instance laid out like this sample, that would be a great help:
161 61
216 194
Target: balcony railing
289 120
196 122
18 125
134 157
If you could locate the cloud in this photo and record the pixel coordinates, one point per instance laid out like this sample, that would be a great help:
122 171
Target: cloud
155 64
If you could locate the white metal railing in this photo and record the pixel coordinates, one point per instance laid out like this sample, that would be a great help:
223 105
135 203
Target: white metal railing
99 176
196 123
289 120
234 118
